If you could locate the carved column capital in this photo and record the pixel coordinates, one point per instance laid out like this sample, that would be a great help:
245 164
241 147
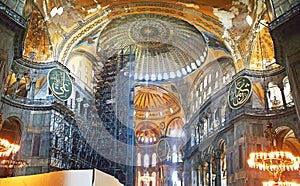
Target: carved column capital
85 105
79 100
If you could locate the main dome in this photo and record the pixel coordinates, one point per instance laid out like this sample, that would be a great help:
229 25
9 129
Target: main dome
164 47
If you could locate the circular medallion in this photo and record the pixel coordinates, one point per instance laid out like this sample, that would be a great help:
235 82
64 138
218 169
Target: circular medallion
150 33
239 92
60 84
163 149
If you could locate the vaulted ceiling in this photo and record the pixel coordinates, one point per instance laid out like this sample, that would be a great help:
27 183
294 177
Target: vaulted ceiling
61 27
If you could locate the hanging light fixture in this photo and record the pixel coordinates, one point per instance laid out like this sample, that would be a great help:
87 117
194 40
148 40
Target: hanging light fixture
7 154
280 183
274 161
146 178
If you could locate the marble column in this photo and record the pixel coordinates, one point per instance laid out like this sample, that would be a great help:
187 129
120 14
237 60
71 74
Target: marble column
79 100
197 172
85 107
220 116
218 154
196 135
267 97
18 78
208 159
33 79
187 173
202 176
282 95
181 179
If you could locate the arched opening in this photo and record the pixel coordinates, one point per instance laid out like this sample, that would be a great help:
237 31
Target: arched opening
275 98
287 91
175 128
10 139
17 86
287 141
222 147
11 130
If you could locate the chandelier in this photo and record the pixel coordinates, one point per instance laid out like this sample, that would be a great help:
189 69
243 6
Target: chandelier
146 178
8 152
274 161
280 183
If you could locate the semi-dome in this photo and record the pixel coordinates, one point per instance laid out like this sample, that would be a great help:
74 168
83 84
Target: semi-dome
154 103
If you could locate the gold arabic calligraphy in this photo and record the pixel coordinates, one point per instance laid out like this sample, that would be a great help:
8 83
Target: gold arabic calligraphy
60 84
239 93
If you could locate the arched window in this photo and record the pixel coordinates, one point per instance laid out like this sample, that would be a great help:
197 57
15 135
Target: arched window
192 136
223 109
174 154
216 119
175 179
287 91
205 126
275 98
197 134
216 84
79 74
146 160
139 159
153 159
201 87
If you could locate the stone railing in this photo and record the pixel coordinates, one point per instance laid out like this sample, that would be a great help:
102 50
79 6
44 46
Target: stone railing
26 103
13 15
283 17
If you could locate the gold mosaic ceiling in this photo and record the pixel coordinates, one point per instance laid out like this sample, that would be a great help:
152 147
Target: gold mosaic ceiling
154 103
54 36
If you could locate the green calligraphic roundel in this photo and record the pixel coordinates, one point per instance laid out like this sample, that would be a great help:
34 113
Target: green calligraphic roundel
239 92
60 84
163 149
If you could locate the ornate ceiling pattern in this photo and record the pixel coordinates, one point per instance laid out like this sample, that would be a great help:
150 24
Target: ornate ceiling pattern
147 133
154 103
164 47
66 28
37 42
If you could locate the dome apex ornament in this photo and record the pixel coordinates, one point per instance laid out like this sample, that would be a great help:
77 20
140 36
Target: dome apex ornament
159 55
239 92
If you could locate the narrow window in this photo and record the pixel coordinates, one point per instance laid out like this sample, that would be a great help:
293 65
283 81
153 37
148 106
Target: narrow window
36 145
241 158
